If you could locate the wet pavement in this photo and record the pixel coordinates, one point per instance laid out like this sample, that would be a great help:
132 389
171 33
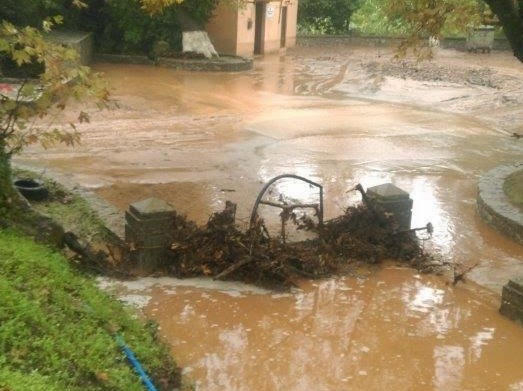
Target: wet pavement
198 139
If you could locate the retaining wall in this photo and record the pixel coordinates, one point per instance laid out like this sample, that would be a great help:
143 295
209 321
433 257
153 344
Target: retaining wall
494 206
216 64
447 43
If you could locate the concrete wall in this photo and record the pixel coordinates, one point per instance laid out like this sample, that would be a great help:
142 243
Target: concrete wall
245 38
292 23
273 25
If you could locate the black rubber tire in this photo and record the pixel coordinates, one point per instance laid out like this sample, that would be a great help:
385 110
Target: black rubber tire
31 189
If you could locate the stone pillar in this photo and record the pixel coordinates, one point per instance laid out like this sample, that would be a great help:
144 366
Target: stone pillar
148 227
512 300
391 199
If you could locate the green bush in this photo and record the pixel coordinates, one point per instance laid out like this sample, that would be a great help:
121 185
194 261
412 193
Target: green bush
119 26
326 16
122 26
56 327
375 18
372 19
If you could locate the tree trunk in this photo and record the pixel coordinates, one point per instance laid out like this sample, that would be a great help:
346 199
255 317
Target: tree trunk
509 16
8 196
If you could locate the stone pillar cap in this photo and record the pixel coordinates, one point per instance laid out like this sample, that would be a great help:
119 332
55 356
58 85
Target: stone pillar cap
387 191
517 283
151 207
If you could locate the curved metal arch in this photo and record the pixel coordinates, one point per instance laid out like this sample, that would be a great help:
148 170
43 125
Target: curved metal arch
254 212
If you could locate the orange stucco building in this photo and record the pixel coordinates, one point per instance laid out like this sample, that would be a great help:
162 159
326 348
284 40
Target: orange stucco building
258 27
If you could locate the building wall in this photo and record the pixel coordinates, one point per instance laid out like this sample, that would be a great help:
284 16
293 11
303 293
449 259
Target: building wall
273 25
233 31
222 29
245 39
292 23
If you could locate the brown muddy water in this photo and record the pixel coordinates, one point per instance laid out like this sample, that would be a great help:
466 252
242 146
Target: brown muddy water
382 329
198 139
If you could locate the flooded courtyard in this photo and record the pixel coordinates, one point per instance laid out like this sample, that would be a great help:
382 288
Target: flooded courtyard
339 116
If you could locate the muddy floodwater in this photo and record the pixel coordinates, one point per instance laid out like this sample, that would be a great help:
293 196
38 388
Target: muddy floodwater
382 329
339 116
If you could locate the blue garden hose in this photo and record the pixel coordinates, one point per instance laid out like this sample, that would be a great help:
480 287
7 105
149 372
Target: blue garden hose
135 363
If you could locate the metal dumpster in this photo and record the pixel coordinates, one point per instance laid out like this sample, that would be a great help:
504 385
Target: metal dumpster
480 38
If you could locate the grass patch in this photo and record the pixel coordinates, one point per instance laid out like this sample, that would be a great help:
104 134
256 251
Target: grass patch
69 209
56 328
513 188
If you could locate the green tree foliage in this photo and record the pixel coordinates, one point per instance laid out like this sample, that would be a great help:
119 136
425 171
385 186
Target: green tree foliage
326 16
372 19
123 26
119 26
381 17
128 26
510 15
429 18
425 18
49 78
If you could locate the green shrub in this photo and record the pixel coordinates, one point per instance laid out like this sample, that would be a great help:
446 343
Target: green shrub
126 28
119 26
326 16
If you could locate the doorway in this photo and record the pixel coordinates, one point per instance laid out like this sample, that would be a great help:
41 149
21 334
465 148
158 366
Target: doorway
283 36
259 27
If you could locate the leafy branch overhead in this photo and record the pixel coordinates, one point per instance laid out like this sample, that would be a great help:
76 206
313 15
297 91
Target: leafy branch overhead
156 6
48 77
23 106
428 18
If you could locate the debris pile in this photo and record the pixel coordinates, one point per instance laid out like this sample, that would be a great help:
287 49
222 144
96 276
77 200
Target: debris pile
366 233
221 250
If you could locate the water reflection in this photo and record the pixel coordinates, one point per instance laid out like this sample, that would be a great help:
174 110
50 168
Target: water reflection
449 362
387 329
423 299
478 341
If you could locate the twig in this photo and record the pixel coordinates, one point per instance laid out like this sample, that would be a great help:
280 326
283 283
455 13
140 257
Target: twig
233 268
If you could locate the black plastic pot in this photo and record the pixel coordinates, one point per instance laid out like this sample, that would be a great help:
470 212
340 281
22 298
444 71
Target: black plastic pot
31 189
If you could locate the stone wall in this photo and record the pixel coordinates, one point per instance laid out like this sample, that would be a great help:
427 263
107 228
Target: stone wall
215 64
123 59
495 208
447 43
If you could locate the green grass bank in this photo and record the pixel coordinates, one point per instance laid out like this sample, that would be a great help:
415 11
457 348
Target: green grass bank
56 328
